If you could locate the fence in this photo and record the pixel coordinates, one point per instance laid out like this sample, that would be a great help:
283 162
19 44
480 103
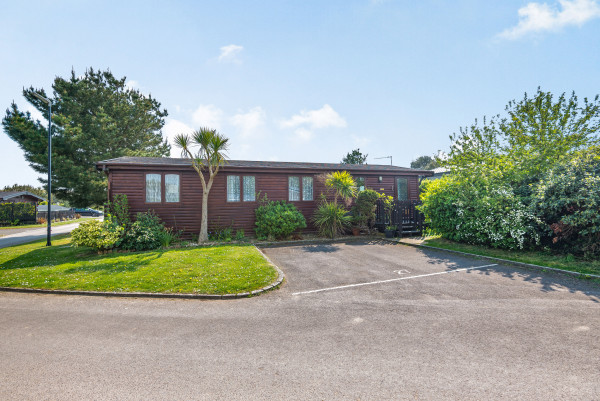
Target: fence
13 213
56 214
404 215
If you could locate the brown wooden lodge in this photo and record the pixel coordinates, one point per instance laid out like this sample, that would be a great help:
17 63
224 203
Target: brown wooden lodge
172 188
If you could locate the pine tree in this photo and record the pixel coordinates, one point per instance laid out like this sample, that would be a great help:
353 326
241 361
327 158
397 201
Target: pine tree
94 117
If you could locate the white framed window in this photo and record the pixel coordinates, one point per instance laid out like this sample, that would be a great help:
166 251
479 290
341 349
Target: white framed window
249 188
402 185
307 188
153 186
233 188
294 188
171 187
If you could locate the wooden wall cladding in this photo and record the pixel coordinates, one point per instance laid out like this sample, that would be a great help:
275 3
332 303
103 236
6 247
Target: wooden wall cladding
186 214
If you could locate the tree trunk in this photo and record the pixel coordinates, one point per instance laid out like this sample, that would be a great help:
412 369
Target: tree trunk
203 237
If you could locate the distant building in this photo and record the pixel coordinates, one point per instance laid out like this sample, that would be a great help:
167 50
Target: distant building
438 173
20 196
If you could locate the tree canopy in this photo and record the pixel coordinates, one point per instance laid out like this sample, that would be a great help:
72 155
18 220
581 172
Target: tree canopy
536 134
354 157
94 117
424 163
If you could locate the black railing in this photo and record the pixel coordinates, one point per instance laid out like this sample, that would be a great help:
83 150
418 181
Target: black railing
403 215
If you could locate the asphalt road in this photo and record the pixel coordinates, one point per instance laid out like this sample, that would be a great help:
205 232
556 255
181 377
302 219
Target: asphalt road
23 235
436 332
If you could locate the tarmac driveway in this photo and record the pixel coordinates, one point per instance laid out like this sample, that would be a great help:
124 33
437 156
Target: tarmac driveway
369 321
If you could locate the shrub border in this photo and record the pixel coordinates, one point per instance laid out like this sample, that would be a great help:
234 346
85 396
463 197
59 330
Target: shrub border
248 294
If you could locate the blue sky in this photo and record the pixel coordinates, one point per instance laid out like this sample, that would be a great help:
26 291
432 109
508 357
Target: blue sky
307 80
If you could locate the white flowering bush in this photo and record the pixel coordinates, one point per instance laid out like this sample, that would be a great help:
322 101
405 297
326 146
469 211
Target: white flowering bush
479 212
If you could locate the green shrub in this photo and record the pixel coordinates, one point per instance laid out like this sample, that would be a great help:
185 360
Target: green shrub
166 237
219 233
17 212
364 207
98 235
119 209
479 212
239 235
567 200
277 220
145 233
331 219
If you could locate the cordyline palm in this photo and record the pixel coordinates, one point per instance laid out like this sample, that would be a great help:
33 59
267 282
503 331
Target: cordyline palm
343 185
209 157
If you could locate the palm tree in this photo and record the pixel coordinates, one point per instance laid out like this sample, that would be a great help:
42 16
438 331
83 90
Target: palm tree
210 156
343 185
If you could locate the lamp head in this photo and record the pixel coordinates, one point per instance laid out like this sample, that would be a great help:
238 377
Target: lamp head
40 97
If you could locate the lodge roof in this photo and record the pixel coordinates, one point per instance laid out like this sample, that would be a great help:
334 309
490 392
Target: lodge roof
170 161
5 195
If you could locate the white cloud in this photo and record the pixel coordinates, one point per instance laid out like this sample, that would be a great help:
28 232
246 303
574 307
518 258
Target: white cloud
307 121
208 115
250 123
174 127
229 54
131 84
540 17
361 141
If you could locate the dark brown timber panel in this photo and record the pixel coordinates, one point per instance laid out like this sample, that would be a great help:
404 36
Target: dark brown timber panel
185 214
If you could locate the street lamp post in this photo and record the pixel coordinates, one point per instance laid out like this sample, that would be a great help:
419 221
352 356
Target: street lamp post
49 220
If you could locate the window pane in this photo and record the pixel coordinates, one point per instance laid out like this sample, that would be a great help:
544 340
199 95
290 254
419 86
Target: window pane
294 188
172 188
307 188
402 184
249 190
233 188
153 188
360 183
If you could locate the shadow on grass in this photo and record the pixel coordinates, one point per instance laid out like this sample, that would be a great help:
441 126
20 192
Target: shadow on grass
85 259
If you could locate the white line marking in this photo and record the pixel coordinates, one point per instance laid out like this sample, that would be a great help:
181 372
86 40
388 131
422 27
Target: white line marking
390 280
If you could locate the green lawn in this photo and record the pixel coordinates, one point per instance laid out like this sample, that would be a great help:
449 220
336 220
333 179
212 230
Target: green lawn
226 269
58 223
563 262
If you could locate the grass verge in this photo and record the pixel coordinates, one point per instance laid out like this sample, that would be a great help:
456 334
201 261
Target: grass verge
54 224
227 269
563 262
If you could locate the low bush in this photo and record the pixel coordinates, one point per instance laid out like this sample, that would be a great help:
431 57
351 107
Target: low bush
119 210
331 219
167 236
145 233
239 235
219 233
364 208
277 220
97 235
